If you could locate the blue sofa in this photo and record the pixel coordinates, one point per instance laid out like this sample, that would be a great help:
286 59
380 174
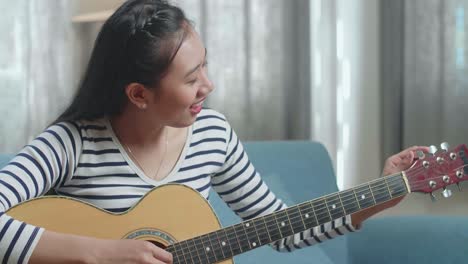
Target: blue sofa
298 171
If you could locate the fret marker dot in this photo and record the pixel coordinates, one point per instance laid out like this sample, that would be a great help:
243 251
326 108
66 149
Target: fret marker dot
283 224
363 197
247 225
333 206
254 244
307 215
208 249
223 243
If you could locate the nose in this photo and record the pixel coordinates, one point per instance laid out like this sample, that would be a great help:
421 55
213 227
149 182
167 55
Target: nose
207 85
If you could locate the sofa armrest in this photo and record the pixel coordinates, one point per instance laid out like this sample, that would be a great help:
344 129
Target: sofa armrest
411 239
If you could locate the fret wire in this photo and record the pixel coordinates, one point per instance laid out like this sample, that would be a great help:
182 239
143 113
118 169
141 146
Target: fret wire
194 247
193 258
307 210
174 254
354 191
200 247
177 255
289 220
302 218
256 232
277 224
294 217
388 187
214 249
342 205
217 246
220 244
188 251
226 241
266 228
242 233
334 200
178 252
261 230
313 211
372 193
282 213
272 219
206 246
319 211
237 238
380 194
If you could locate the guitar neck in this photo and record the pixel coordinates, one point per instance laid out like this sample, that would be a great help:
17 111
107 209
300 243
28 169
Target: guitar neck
233 240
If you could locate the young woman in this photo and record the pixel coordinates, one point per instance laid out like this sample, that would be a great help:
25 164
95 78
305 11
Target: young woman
138 122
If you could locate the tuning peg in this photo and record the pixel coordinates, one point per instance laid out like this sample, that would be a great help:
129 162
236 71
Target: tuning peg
446 193
445 146
433 198
432 149
420 154
459 187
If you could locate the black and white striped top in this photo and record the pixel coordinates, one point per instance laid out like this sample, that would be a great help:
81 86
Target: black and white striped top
85 160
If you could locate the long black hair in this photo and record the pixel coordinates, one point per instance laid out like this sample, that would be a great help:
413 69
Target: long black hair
136 44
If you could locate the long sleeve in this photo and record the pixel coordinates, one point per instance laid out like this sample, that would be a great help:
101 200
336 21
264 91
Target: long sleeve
38 167
241 187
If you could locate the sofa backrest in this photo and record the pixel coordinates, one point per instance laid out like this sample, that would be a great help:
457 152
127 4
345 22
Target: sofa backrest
4 159
296 171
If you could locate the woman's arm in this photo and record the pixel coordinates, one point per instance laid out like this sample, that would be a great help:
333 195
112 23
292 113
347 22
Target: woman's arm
242 188
48 162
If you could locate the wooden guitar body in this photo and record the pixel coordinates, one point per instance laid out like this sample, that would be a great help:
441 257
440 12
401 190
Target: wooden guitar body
164 216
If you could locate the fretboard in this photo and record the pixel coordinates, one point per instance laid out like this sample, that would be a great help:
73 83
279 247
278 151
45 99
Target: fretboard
233 240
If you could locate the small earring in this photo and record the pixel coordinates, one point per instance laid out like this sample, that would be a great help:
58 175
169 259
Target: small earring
143 106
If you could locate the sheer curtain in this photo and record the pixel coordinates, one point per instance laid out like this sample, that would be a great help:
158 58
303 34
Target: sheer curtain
258 53
39 58
345 86
425 83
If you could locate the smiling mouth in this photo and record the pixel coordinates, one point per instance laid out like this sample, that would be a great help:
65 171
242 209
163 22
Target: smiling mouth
199 103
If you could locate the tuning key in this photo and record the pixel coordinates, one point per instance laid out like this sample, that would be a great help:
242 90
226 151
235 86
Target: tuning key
446 193
445 146
420 154
433 198
459 187
432 149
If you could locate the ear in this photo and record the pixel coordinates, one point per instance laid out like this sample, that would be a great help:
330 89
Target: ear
138 95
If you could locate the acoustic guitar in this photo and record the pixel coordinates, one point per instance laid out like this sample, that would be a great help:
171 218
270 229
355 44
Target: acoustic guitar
178 219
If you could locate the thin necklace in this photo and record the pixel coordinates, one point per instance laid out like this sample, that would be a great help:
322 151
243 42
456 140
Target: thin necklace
160 163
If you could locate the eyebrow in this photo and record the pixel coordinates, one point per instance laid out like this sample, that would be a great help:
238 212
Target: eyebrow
196 67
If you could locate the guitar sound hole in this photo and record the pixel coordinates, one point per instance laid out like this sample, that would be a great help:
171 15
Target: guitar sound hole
158 244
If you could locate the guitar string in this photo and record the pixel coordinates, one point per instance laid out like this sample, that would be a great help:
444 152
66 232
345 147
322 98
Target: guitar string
210 239
201 238
292 220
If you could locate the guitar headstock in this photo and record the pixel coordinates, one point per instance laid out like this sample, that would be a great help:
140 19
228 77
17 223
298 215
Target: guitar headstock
439 169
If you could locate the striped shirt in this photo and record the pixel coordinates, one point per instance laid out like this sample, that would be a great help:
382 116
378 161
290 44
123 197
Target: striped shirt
85 160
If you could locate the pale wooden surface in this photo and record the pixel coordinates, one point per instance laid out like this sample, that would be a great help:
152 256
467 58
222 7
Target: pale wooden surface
174 209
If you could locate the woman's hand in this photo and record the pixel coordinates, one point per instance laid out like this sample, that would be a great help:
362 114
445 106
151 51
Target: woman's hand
129 251
56 247
394 164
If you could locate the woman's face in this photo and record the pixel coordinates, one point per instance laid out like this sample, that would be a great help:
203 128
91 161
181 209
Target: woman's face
180 94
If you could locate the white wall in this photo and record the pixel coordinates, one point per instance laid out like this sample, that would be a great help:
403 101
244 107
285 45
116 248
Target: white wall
87 6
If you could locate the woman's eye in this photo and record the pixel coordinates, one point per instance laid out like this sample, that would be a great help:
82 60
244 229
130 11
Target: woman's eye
192 81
